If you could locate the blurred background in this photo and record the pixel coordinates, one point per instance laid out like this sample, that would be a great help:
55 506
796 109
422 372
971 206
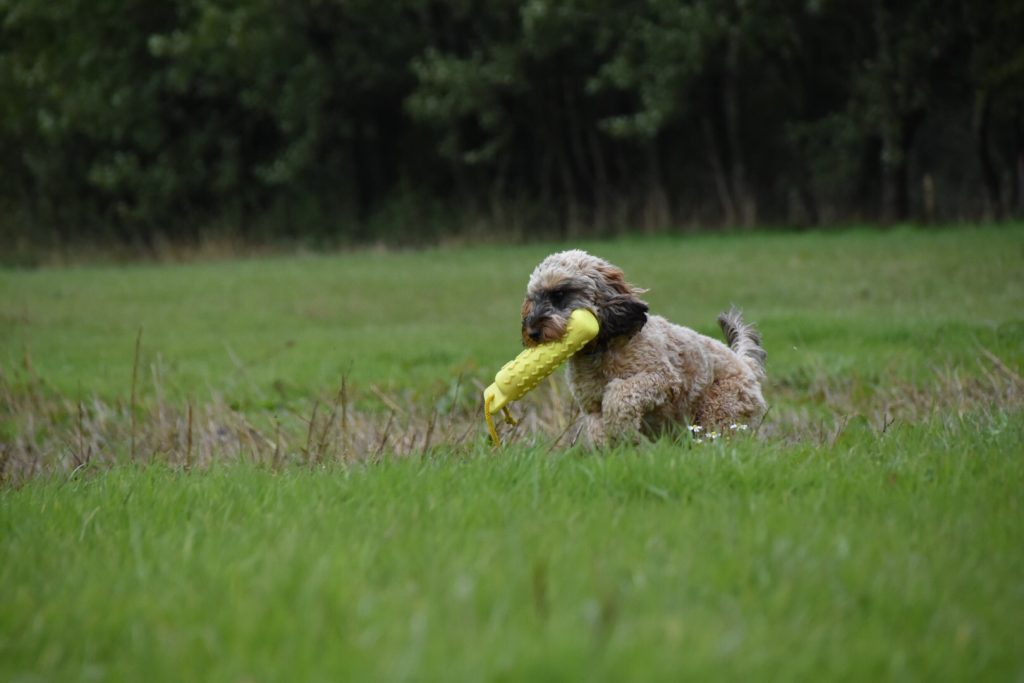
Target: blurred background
416 121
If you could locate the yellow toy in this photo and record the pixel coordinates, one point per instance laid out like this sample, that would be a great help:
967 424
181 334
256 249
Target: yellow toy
525 372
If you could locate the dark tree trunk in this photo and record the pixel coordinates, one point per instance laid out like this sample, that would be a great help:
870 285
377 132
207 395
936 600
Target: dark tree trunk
865 197
602 199
718 173
900 119
897 143
744 200
1018 182
1016 202
657 213
570 205
908 132
892 172
989 176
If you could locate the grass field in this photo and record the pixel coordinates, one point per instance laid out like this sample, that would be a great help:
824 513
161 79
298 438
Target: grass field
240 518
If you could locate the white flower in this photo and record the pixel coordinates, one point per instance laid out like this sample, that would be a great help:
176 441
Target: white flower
696 429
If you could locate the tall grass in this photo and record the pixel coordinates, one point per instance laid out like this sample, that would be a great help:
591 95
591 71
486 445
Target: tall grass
315 359
864 305
47 433
285 475
876 555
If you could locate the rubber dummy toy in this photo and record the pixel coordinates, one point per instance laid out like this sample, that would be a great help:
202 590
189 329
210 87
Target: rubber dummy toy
520 375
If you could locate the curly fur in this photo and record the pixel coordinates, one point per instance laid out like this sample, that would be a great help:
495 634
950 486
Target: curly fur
642 375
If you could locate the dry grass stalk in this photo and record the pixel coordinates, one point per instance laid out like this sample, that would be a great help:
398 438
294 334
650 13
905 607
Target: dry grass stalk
45 432
135 375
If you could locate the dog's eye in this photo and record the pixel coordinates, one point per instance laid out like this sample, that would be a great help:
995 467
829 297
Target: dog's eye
558 297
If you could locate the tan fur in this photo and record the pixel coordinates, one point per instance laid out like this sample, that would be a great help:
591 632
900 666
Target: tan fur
643 380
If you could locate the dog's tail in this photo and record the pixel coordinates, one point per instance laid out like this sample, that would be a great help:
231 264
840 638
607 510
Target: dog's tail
744 339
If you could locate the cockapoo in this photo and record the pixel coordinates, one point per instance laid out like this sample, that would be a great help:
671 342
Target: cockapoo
642 375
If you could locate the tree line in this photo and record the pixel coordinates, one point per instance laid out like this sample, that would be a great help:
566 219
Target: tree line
412 119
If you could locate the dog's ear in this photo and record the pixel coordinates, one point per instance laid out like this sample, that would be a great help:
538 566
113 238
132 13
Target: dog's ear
614 278
524 313
623 312
526 309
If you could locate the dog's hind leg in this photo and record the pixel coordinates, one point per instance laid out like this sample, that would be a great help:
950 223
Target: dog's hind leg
625 403
728 401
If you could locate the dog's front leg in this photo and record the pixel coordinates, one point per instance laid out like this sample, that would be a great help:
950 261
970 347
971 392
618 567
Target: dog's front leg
625 403
592 430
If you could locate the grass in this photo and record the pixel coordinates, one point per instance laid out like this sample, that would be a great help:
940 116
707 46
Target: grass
883 556
857 304
275 523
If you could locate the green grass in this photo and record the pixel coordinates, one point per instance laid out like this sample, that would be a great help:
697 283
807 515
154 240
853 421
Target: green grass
857 304
894 556
872 531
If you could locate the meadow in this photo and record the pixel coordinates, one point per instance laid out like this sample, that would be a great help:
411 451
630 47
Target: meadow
276 468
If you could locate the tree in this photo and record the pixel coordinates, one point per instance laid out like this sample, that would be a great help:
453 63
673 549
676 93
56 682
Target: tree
362 120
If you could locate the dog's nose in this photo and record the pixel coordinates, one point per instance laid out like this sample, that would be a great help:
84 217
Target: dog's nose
534 334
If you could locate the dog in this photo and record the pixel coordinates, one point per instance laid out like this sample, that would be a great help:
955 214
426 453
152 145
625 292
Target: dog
642 376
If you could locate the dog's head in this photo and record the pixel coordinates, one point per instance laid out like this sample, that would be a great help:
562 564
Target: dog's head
574 279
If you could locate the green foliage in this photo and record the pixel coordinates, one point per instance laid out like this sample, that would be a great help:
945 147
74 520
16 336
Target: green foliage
267 118
196 109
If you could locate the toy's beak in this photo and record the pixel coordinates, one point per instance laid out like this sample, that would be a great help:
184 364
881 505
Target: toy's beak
494 398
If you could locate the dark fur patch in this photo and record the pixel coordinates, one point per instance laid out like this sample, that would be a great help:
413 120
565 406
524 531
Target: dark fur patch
524 315
551 329
539 325
743 338
728 325
622 315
